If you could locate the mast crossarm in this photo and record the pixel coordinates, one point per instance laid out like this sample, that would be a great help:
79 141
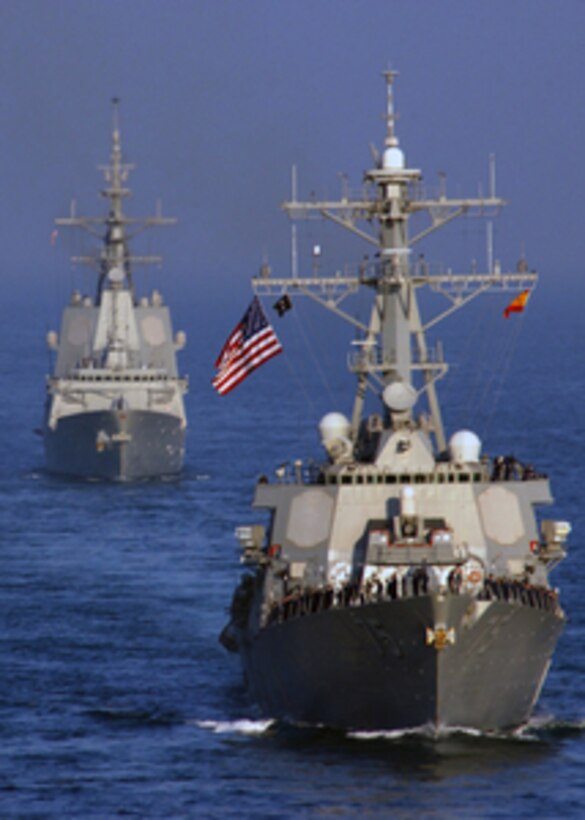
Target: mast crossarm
333 307
481 206
136 260
112 193
437 222
335 288
78 223
158 220
350 226
371 362
498 281
88 223
522 282
144 224
461 302
122 168
84 221
459 289
276 287
273 286
301 210
367 208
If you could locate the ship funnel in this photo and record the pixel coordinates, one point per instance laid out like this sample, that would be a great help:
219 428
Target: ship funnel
464 447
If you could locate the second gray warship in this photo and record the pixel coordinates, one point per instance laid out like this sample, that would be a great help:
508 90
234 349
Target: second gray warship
114 407
404 582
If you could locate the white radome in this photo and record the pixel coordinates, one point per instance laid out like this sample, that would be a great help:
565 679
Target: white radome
334 426
464 447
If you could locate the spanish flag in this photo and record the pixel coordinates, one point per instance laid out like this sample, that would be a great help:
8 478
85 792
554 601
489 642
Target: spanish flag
518 304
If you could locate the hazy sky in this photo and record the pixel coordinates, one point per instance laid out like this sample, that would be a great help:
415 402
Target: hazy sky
221 97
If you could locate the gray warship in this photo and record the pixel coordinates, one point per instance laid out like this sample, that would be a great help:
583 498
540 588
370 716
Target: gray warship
404 582
114 407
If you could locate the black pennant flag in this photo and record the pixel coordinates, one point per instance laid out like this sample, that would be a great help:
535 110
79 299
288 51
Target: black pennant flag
283 304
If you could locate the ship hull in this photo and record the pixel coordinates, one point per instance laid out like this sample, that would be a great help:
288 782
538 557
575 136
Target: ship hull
372 667
116 446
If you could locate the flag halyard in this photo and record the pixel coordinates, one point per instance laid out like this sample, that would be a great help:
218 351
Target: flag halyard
251 343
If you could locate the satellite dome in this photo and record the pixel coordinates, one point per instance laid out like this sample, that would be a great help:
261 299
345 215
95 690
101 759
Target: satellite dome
180 339
393 159
52 340
116 275
399 396
464 447
334 426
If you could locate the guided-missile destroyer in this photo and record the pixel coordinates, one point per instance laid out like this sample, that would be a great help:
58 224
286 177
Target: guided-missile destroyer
404 582
114 408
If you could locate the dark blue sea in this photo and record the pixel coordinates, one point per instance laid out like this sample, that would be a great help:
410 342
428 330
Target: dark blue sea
116 698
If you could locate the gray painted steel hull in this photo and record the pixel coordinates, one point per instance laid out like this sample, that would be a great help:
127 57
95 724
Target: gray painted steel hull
370 667
140 444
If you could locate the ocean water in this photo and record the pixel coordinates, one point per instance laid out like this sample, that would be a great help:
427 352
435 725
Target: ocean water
116 698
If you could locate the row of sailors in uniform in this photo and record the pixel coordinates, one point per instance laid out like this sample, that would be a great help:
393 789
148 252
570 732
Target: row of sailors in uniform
414 583
508 468
507 589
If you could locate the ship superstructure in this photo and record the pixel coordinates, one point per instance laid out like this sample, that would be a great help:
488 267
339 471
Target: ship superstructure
114 407
405 582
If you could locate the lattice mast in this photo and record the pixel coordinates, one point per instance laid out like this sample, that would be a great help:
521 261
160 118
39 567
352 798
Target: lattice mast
393 348
115 253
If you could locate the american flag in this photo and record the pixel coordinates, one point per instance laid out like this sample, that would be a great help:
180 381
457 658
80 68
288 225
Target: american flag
251 343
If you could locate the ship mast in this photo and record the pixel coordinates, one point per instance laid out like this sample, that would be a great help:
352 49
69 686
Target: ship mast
115 251
115 254
393 355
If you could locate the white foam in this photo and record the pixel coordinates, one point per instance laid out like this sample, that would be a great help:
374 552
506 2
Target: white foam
427 732
531 731
393 734
240 727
